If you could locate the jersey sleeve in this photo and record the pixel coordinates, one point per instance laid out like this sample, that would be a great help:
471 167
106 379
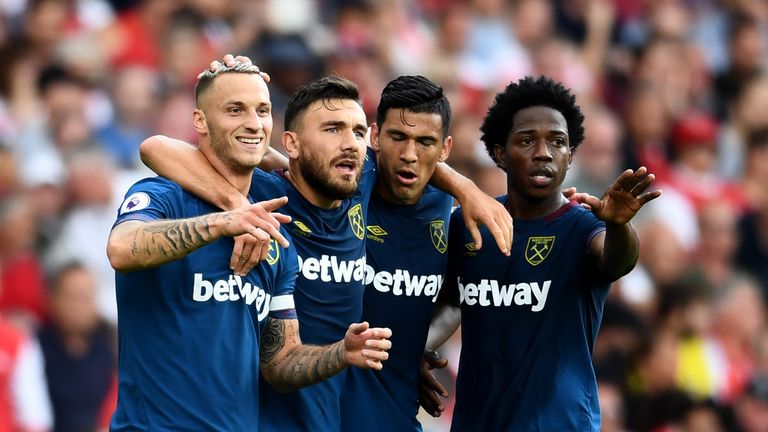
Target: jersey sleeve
591 226
282 305
149 200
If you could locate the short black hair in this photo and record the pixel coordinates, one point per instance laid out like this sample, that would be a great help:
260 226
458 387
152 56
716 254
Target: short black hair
323 89
525 93
417 94
206 78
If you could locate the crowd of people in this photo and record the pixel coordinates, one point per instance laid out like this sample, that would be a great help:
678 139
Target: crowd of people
678 86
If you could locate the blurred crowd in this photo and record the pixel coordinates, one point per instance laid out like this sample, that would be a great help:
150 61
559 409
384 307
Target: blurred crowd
679 86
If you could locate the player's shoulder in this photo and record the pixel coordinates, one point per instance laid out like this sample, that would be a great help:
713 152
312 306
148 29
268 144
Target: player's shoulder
580 215
269 183
433 193
434 200
151 192
155 184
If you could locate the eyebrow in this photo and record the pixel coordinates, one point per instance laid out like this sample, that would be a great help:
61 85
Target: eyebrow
393 131
243 103
356 126
532 131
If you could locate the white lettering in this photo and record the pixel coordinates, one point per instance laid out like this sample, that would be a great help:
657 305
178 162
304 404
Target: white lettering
521 294
484 287
221 290
324 260
502 295
540 294
330 269
202 289
401 282
231 289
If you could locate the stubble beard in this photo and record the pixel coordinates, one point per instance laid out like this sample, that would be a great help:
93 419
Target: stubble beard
320 180
221 150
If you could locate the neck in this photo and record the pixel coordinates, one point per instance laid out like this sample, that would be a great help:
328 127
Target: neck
308 192
239 178
383 192
520 207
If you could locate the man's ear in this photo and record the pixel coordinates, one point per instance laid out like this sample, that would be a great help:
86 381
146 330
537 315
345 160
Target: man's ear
447 145
375 137
291 144
198 121
571 151
498 154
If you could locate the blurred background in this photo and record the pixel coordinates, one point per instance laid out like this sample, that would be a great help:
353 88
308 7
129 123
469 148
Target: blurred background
679 86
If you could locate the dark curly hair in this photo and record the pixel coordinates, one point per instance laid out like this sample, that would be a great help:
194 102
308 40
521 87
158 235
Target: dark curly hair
525 93
417 94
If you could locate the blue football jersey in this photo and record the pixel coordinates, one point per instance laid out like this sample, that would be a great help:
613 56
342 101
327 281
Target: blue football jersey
189 329
406 262
329 293
528 324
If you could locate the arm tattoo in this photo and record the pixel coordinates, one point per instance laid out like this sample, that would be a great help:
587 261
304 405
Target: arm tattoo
163 241
292 366
272 341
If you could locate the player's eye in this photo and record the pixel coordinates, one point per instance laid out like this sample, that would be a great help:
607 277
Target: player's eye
264 111
332 130
558 142
359 134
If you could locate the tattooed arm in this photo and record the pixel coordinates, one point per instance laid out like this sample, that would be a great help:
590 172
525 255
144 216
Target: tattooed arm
288 365
137 245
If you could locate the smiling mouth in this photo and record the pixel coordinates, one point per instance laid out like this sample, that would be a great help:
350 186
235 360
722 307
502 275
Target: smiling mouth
250 141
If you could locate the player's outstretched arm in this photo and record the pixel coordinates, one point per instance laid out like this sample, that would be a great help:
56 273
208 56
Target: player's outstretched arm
288 365
617 248
478 207
134 245
186 165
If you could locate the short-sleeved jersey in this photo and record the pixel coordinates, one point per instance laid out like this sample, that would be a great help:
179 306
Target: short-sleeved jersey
407 254
189 330
528 324
329 293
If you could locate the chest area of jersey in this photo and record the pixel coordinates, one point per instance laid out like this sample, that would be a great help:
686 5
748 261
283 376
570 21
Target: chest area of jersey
537 271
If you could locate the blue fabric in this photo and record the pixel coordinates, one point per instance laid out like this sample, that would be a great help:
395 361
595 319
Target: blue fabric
407 258
188 330
329 293
529 322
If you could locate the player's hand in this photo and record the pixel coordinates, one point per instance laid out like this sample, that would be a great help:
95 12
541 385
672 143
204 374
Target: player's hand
574 195
480 209
229 60
366 347
255 225
623 199
249 250
430 389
